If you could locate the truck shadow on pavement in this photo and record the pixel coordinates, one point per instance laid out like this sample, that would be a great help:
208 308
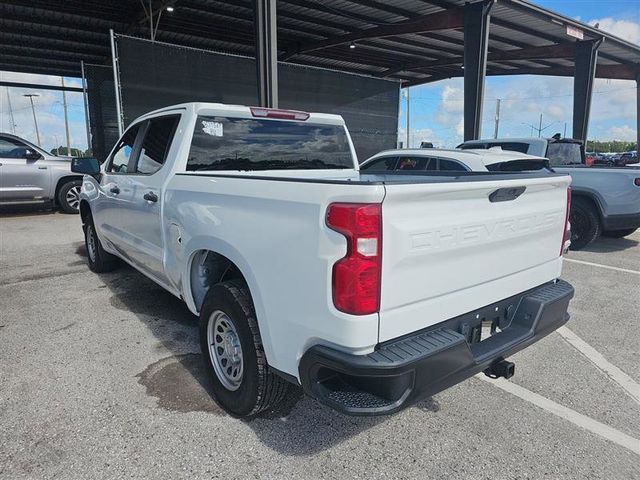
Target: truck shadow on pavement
179 382
606 244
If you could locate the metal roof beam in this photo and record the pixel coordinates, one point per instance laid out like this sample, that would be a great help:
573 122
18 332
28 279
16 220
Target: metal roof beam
41 86
39 69
446 19
564 50
620 72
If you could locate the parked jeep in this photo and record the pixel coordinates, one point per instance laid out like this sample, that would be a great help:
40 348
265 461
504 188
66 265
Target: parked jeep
606 200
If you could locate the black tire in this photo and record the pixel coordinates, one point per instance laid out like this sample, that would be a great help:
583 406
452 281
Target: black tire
68 199
619 233
98 259
259 388
585 223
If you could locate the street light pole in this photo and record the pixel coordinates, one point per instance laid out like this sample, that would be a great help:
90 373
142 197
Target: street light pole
66 118
497 119
33 110
408 117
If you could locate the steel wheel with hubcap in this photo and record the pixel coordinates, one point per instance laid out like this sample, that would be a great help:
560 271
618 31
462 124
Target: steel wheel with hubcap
91 243
225 350
242 382
98 259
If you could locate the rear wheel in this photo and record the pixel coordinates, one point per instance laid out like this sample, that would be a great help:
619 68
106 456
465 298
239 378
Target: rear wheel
98 259
585 223
69 196
243 383
619 233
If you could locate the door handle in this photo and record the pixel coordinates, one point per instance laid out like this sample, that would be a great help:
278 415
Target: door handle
150 197
115 190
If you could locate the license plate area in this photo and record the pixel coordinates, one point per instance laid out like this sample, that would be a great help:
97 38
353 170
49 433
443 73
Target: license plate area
482 324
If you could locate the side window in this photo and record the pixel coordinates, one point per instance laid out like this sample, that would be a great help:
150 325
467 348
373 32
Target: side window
10 148
156 143
416 163
120 158
451 166
384 164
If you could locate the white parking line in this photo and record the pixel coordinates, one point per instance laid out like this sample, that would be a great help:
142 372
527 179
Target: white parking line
617 375
600 429
608 267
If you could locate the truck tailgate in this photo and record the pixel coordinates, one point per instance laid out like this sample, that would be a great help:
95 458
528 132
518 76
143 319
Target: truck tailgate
447 249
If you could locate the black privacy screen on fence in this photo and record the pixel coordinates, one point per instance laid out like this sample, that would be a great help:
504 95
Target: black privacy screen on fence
155 75
102 109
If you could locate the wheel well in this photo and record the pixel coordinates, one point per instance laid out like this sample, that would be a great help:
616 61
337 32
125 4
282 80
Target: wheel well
587 199
207 269
85 211
62 181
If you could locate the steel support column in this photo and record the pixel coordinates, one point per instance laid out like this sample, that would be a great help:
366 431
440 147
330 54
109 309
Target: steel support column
586 59
266 35
638 112
476 40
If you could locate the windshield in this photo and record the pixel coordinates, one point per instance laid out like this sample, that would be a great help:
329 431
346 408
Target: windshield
222 143
564 153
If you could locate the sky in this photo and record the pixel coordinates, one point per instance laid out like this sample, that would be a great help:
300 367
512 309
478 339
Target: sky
48 108
436 109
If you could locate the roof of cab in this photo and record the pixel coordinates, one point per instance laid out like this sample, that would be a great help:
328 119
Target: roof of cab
476 159
204 108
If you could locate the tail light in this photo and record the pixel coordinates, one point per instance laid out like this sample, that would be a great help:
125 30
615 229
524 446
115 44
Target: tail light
566 237
588 161
637 182
278 113
356 277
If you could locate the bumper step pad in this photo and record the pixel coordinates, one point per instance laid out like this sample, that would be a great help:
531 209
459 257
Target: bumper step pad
408 369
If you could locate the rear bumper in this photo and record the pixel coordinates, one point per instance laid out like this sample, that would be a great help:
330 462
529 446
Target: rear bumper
621 222
405 370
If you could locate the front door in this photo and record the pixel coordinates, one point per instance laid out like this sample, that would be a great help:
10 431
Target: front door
112 208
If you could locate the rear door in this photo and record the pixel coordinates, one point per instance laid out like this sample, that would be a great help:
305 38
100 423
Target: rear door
448 249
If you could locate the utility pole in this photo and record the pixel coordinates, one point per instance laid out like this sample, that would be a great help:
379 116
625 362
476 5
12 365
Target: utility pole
13 122
408 117
66 118
564 135
540 127
33 110
495 131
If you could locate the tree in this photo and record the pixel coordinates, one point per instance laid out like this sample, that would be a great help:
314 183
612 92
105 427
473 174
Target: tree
616 146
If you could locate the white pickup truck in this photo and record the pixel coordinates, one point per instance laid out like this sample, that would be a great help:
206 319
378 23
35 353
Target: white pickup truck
370 291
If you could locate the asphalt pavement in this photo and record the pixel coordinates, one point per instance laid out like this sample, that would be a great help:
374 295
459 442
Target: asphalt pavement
101 377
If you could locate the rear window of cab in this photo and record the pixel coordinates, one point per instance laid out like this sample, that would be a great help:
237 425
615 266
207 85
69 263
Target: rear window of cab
226 143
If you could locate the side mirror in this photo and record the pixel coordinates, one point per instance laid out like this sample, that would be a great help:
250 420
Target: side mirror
85 165
31 154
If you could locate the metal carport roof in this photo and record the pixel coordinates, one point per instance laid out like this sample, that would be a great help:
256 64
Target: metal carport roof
415 41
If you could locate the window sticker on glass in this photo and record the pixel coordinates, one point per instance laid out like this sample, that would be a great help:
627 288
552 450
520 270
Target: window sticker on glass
212 128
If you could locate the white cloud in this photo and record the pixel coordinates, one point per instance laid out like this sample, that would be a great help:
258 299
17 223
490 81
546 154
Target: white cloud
419 135
624 132
625 29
